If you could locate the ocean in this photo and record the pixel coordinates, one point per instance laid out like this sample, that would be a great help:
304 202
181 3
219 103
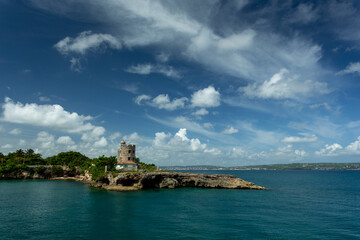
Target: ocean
298 205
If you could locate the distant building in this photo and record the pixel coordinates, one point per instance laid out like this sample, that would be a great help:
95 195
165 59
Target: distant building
126 157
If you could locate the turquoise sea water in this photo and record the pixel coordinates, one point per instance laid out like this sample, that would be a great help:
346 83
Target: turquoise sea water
299 205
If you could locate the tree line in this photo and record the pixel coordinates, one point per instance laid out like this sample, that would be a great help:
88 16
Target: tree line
22 159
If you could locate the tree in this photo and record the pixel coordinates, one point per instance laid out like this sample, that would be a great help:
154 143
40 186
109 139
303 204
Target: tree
103 161
2 157
71 159
20 156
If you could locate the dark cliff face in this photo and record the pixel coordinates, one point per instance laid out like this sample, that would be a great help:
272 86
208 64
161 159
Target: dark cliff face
136 181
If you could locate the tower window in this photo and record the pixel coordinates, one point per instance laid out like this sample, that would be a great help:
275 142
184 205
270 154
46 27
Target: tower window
128 158
129 151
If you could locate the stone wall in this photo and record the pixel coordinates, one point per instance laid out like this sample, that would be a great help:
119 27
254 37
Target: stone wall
126 153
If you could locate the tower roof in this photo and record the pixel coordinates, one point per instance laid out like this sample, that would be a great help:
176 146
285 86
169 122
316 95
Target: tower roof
122 142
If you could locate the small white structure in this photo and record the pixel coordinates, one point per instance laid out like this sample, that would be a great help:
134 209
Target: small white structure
127 166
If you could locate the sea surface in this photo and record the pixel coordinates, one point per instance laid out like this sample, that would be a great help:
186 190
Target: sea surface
298 205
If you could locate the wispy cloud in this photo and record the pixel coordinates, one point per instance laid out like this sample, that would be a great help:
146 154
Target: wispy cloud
296 139
86 41
145 69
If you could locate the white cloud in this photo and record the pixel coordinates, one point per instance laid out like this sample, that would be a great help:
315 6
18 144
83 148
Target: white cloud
201 112
207 97
180 142
93 135
182 134
6 146
162 101
185 30
230 130
324 105
142 69
44 99
183 122
141 98
114 136
161 139
145 69
295 139
46 140
300 153
65 140
15 131
75 64
213 151
283 86
86 41
51 116
196 145
354 147
102 142
353 67
133 138
330 150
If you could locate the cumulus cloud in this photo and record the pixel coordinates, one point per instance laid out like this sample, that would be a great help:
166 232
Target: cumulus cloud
179 142
230 130
351 68
86 41
284 86
145 69
354 147
207 97
93 135
296 139
133 138
330 150
46 140
162 101
102 142
65 140
50 116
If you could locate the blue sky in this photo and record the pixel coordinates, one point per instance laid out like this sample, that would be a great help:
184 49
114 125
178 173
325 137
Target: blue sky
189 82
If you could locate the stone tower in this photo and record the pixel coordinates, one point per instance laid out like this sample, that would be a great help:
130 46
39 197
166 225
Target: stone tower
126 153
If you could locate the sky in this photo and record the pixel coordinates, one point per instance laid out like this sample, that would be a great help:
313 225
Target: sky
226 83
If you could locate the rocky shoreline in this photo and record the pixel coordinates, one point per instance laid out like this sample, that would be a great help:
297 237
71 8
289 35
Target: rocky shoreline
150 180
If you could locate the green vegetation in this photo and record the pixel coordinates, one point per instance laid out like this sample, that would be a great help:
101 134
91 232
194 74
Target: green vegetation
70 162
148 167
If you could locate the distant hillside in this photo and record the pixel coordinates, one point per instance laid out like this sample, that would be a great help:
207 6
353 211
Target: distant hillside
291 166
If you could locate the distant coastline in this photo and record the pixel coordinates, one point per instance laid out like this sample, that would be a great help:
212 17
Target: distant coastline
291 166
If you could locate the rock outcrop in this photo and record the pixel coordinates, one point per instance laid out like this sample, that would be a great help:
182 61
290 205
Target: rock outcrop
141 180
137 181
